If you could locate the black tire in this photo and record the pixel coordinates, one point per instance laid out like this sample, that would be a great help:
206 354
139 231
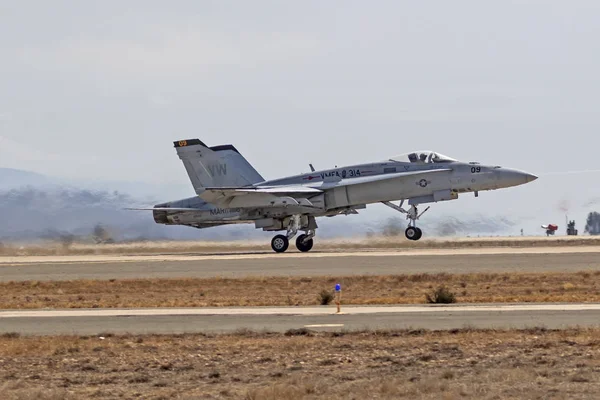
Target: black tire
419 234
280 244
411 233
304 247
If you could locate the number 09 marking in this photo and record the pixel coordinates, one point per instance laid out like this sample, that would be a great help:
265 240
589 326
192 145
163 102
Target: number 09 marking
475 170
182 143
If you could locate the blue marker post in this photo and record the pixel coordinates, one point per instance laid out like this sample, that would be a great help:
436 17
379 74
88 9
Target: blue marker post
338 296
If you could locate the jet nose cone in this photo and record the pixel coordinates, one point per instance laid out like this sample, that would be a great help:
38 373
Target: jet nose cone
511 177
530 177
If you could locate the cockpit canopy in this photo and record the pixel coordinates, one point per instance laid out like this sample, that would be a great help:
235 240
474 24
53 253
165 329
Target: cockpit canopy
423 157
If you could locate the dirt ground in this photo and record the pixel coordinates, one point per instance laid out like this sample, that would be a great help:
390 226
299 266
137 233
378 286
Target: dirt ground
292 291
211 247
462 364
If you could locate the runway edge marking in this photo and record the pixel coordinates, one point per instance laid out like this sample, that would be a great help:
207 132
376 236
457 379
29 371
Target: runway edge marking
295 311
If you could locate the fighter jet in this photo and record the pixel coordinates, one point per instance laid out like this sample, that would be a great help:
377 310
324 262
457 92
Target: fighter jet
230 191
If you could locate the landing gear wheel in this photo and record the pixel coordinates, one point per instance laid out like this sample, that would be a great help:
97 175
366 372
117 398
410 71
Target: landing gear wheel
280 243
419 234
304 246
413 233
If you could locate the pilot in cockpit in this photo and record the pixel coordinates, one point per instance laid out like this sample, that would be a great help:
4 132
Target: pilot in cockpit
424 157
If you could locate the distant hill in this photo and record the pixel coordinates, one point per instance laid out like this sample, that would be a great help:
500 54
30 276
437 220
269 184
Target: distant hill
34 206
14 178
35 213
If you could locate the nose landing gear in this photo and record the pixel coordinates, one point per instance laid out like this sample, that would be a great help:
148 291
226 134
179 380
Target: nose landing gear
412 214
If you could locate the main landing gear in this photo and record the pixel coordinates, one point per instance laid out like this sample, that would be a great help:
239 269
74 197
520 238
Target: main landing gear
304 242
280 243
412 214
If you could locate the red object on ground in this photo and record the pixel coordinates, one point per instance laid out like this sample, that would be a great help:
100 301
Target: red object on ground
552 227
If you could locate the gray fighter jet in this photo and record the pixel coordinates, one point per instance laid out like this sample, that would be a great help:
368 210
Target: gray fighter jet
230 191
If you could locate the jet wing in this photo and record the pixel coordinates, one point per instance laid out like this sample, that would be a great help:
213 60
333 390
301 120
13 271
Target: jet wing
266 189
259 196
376 178
165 209
280 189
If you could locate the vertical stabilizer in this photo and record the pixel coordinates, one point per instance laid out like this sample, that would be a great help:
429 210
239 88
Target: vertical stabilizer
217 166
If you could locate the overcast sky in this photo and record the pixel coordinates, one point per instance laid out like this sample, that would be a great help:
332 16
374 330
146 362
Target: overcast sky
100 90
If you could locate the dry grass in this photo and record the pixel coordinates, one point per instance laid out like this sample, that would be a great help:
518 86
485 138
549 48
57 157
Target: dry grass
292 291
464 364
208 247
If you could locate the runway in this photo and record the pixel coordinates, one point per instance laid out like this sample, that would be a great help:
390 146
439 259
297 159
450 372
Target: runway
281 319
455 261
336 263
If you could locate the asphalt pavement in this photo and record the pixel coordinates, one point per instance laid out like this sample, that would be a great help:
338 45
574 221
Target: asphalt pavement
281 319
452 261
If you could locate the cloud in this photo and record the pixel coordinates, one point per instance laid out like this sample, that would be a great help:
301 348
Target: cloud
16 154
173 52
12 151
159 100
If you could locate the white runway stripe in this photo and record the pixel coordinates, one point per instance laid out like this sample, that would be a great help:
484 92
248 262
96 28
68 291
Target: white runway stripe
561 249
304 311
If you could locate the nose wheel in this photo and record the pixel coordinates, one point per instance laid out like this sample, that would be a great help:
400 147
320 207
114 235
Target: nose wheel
413 233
